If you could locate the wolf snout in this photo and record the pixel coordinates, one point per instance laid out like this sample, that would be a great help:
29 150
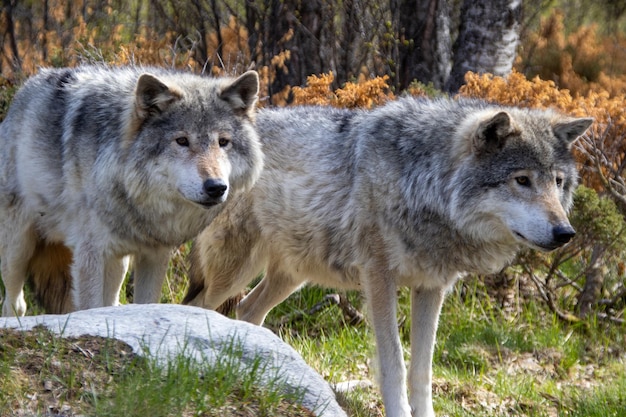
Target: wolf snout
215 188
563 233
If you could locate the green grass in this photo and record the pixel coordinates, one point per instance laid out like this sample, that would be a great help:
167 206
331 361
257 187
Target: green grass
185 386
606 400
41 373
490 360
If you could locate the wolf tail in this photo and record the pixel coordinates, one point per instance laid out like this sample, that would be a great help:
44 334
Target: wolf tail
49 270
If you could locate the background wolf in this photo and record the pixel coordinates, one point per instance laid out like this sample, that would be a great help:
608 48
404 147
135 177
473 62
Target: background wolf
412 193
99 163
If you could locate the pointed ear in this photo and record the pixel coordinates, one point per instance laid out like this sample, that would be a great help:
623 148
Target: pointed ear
152 96
492 133
242 93
570 129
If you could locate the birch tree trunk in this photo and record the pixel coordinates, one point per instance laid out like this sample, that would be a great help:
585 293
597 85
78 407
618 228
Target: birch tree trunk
487 40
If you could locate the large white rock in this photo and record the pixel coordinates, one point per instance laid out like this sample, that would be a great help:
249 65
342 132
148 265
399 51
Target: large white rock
166 330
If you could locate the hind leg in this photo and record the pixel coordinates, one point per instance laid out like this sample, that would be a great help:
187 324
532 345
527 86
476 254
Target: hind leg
273 289
229 278
17 249
223 261
226 256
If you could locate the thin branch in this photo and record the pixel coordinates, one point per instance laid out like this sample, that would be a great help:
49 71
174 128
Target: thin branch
612 319
352 315
547 297
620 296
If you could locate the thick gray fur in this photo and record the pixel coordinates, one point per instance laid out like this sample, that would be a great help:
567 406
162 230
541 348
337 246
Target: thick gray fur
414 193
111 163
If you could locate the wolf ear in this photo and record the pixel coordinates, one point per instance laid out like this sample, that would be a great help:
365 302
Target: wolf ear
242 93
152 96
491 133
571 129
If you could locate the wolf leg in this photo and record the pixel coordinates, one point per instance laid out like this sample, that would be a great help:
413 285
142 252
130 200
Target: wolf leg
380 293
425 309
221 268
274 288
116 270
150 270
93 271
18 248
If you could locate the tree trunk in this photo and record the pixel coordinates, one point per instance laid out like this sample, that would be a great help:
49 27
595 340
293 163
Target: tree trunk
424 41
487 41
307 42
348 40
253 24
294 26
44 34
218 30
200 47
277 32
593 283
15 60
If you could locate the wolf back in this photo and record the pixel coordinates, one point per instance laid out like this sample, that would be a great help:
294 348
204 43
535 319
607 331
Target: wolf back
413 193
100 163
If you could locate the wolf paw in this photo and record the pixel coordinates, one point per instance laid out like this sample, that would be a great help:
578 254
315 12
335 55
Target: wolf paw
17 309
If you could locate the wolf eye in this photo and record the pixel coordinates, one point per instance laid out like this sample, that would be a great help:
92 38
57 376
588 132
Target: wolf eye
559 182
223 141
182 141
523 180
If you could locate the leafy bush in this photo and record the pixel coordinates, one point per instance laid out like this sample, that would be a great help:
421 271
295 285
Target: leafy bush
365 93
588 273
581 61
7 91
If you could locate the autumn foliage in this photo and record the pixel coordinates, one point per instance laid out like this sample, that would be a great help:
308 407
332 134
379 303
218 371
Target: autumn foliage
582 73
365 93
581 61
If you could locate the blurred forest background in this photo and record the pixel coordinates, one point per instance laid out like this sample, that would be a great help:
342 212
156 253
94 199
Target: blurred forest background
570 55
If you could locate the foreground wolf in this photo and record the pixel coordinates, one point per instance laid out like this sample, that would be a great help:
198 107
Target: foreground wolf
412 193
99 163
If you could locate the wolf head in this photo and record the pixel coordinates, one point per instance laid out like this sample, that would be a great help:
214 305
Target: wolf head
196 134
523 175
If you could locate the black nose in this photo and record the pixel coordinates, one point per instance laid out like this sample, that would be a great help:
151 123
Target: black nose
563 233
215 188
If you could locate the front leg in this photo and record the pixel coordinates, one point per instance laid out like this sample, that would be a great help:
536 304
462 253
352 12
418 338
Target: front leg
14 267
425 308
116 270
150 268
17 246
97 276
380 292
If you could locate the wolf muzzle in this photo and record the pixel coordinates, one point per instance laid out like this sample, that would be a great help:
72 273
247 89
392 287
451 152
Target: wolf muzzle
215 190
563 233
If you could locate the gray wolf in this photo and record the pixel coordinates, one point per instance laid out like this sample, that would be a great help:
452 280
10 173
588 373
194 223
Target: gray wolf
413 193
99 165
